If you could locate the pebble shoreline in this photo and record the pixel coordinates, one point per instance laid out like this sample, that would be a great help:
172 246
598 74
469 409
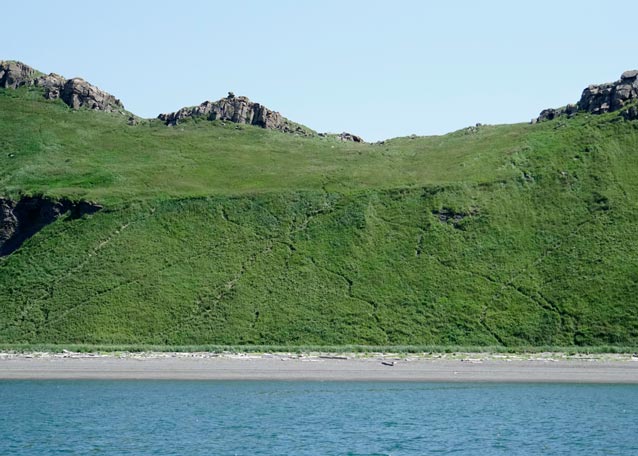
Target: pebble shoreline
426 367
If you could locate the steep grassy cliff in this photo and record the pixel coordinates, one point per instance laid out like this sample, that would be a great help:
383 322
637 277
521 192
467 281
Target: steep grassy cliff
216 233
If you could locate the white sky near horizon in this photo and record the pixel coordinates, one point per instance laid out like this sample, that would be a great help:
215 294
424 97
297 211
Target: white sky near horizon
378 69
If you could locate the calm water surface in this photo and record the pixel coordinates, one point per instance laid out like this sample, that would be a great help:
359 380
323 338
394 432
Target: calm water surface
308 418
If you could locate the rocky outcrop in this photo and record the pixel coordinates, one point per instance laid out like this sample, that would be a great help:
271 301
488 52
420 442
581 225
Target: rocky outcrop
8 221
602 98
452 217
238 110
552 113
76 92
52 85
345 136
20 220
15 74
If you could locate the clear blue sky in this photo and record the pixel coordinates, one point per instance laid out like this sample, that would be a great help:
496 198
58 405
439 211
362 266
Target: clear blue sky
379 69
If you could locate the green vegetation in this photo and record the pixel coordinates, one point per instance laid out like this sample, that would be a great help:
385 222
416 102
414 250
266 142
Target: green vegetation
309 349
226 235
49 148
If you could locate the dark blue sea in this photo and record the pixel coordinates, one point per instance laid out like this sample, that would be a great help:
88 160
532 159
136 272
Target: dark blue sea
315 418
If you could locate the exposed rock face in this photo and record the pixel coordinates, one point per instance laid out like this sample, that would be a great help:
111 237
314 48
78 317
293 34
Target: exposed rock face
75 92
15 74
52 84
78 93
602 98
238 110
19 220
611 96
8 220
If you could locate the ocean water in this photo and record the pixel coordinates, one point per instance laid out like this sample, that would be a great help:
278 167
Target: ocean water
315 418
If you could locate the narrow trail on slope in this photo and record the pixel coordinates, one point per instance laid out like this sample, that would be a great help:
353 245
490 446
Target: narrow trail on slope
93 252
350 293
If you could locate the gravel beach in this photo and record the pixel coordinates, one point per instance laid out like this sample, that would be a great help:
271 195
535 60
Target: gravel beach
467 367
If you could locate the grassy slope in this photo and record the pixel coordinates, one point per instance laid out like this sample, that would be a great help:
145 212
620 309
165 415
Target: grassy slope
219 235
97 156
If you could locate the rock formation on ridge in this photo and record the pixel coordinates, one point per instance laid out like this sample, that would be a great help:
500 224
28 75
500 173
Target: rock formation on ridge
238 110
345 136
602 98
16 74
78 93
74 92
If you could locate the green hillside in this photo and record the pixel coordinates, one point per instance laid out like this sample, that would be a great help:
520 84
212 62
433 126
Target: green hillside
218 233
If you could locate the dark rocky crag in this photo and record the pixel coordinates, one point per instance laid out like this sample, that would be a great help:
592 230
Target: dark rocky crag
76 92
20 220
345 136
16 74
603 98
238 110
